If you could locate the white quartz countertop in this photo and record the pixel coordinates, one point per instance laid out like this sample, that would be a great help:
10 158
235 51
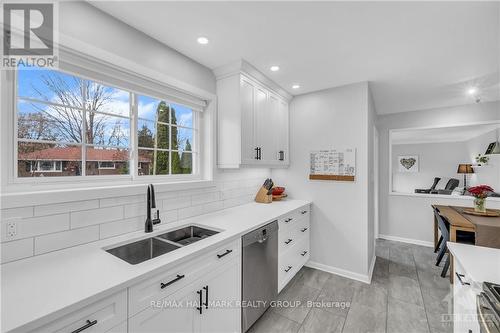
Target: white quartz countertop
480 263
39 289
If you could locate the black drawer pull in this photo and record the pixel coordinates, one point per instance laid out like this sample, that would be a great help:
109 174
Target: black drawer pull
303 253
84 327
224 254
460 276
288 269
288 241
200 308
303 212
303 230
163 285
206 297
288 220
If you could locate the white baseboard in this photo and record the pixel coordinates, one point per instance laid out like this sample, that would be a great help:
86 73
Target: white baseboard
407 240
341 272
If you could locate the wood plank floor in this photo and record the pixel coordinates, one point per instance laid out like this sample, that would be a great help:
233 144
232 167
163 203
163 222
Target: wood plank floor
407 295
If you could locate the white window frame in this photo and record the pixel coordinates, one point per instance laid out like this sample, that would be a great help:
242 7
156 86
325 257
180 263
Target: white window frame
54 168
100 167
133 147
204 120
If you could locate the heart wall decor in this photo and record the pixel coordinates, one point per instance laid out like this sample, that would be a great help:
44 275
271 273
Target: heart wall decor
408 163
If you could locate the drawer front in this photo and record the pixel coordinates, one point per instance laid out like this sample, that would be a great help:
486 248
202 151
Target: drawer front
100 316
160 286
292 261
302 229
464 301
287 239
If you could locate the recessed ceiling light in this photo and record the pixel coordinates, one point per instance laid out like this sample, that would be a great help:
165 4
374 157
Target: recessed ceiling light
295 86
202 40
472 91
274 68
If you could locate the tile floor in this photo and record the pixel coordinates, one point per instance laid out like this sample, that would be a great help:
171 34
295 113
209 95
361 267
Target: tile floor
407 295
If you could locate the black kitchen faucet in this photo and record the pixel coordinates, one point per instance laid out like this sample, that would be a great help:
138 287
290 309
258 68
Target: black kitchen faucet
151 203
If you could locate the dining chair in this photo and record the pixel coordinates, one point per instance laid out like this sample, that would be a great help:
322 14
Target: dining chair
444 228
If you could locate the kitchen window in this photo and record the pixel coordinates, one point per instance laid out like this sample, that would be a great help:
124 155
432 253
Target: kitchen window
68 126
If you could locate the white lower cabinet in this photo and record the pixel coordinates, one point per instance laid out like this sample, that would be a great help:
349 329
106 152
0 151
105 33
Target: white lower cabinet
175 313
293 248
465 291
210 304
100 316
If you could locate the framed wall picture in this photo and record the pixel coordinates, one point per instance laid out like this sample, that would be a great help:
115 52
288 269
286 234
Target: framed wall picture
408 163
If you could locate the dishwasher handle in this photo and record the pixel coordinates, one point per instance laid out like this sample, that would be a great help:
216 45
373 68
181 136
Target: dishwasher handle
260 235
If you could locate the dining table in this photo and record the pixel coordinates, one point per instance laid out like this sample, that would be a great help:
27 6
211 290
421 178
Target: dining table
485 228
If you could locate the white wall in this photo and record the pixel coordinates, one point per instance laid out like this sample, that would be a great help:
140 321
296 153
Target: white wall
50 227
407 216
435 160
333 118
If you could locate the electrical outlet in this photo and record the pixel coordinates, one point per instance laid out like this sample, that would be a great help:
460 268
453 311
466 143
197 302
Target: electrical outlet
11 229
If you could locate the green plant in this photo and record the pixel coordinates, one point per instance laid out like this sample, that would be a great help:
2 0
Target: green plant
482 159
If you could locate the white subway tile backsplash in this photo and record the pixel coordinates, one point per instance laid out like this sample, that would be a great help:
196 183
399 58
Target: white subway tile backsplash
96 216
35 226
131 199
21 212
66 207
18 249
120 227
184 213
169 216
47 228
65 239
198 199
176 203
212 207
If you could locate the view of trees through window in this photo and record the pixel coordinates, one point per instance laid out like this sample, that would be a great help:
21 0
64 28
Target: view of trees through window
81 125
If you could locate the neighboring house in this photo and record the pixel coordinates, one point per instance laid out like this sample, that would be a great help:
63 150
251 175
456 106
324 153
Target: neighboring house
50 162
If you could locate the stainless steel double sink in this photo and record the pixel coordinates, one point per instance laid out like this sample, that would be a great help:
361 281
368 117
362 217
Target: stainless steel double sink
148 248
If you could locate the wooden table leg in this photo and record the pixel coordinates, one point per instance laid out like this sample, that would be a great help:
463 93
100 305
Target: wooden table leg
453 238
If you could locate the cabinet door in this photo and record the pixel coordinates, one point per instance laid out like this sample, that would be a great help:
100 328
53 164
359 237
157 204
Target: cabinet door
272 146
175 313
223 314
264 126
282 130
248 122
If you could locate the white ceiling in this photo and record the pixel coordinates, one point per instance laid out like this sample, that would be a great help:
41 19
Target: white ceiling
418 55
445 134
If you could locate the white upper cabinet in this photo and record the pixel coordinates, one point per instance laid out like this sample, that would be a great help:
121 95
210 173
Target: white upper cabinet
252 119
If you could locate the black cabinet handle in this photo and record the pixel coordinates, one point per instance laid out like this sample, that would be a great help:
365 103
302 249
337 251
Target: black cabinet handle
288 269
163 285
259 153
84 327
206 296
303 253
303 212
224 254
460 276
288 220
303 230
200 308
281 155
256 153
288 241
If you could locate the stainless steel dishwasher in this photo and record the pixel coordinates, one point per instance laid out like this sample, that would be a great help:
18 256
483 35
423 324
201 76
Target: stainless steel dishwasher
259 272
